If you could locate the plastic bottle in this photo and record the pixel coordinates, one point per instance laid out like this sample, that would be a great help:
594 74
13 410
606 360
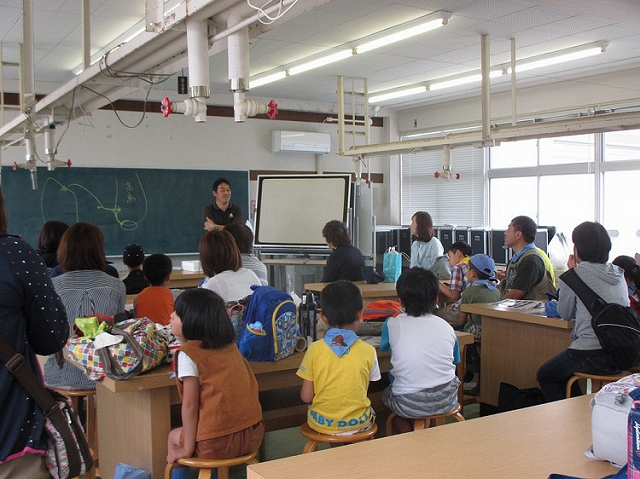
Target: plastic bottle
303 317
313 317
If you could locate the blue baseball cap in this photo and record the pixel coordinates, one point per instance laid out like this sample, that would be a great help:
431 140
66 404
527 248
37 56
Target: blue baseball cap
484 264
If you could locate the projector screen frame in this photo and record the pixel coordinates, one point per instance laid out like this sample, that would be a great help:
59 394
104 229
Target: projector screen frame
291 210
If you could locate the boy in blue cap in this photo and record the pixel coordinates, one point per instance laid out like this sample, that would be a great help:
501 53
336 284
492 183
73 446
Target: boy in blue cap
482 289
481 277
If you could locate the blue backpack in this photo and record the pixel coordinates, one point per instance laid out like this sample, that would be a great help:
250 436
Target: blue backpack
270 327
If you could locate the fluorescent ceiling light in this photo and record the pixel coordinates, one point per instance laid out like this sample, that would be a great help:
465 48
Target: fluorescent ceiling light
554 60
268 79
401 35
462 80
397 94
322 61
398 35
527 64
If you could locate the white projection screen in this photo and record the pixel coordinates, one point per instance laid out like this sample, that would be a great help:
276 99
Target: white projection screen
293 209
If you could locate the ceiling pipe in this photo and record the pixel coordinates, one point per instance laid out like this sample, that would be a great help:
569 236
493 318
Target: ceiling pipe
27 75
199 84
446 173
198 58
86 34
238 56
485 62
238 64
514 114
30 159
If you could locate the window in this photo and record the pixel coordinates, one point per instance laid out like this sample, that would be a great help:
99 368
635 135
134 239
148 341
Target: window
619 214
510 197
558 182
515 154
622 145
566 201
565 150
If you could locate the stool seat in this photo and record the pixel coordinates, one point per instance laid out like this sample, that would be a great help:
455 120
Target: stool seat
597 380
314 437
207 465
421 422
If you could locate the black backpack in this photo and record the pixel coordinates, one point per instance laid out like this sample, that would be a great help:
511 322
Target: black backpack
617 327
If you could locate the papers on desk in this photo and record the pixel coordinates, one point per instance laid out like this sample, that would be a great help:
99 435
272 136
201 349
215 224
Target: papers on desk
372 340
192 266
520 304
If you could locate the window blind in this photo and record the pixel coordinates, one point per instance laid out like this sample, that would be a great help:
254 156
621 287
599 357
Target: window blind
459 202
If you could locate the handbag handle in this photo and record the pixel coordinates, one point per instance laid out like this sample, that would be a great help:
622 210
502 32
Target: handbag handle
16 364
111 367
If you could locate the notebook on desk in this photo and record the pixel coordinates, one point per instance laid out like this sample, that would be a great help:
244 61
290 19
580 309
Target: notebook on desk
520 304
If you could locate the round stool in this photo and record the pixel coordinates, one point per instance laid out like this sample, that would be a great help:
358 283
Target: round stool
314 438
206 465
597 380
421 422
91 420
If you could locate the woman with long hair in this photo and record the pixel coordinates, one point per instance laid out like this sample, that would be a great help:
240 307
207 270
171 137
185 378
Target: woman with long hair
426 248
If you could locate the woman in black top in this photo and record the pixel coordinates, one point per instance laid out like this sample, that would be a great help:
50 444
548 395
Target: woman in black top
346 261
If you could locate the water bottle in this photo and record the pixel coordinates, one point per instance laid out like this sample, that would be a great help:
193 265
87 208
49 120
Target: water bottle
303 317
313 317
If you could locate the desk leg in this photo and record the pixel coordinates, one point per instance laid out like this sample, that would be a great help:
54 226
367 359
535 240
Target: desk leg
133 428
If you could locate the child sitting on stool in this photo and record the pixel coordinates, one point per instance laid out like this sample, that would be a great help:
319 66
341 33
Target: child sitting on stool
221 413
424 353
336 370
481 277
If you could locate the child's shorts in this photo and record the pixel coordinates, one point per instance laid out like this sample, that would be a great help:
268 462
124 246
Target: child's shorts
364 428
232 445
427 402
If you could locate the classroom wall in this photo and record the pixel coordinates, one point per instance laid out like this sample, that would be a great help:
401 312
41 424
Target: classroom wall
100 140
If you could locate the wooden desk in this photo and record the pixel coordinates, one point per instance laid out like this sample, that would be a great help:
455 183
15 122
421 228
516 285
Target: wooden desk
134 416
528 443
514 345
181 279
370 292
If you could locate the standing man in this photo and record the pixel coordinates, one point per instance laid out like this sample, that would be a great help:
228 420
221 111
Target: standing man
526 276
221 212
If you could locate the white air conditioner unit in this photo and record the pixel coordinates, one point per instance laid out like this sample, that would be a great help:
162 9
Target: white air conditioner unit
300 141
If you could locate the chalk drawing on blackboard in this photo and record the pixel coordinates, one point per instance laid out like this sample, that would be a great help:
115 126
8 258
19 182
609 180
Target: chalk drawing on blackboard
117 210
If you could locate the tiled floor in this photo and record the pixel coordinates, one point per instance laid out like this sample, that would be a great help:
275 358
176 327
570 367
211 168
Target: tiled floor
289 442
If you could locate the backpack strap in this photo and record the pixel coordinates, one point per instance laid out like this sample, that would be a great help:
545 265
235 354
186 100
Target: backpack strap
588 296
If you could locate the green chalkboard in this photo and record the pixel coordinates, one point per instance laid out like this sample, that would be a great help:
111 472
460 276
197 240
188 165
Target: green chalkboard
158 209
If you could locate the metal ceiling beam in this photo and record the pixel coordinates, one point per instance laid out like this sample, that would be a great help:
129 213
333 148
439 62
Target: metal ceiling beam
544 129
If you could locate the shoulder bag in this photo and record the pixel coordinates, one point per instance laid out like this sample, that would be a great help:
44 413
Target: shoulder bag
68 453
